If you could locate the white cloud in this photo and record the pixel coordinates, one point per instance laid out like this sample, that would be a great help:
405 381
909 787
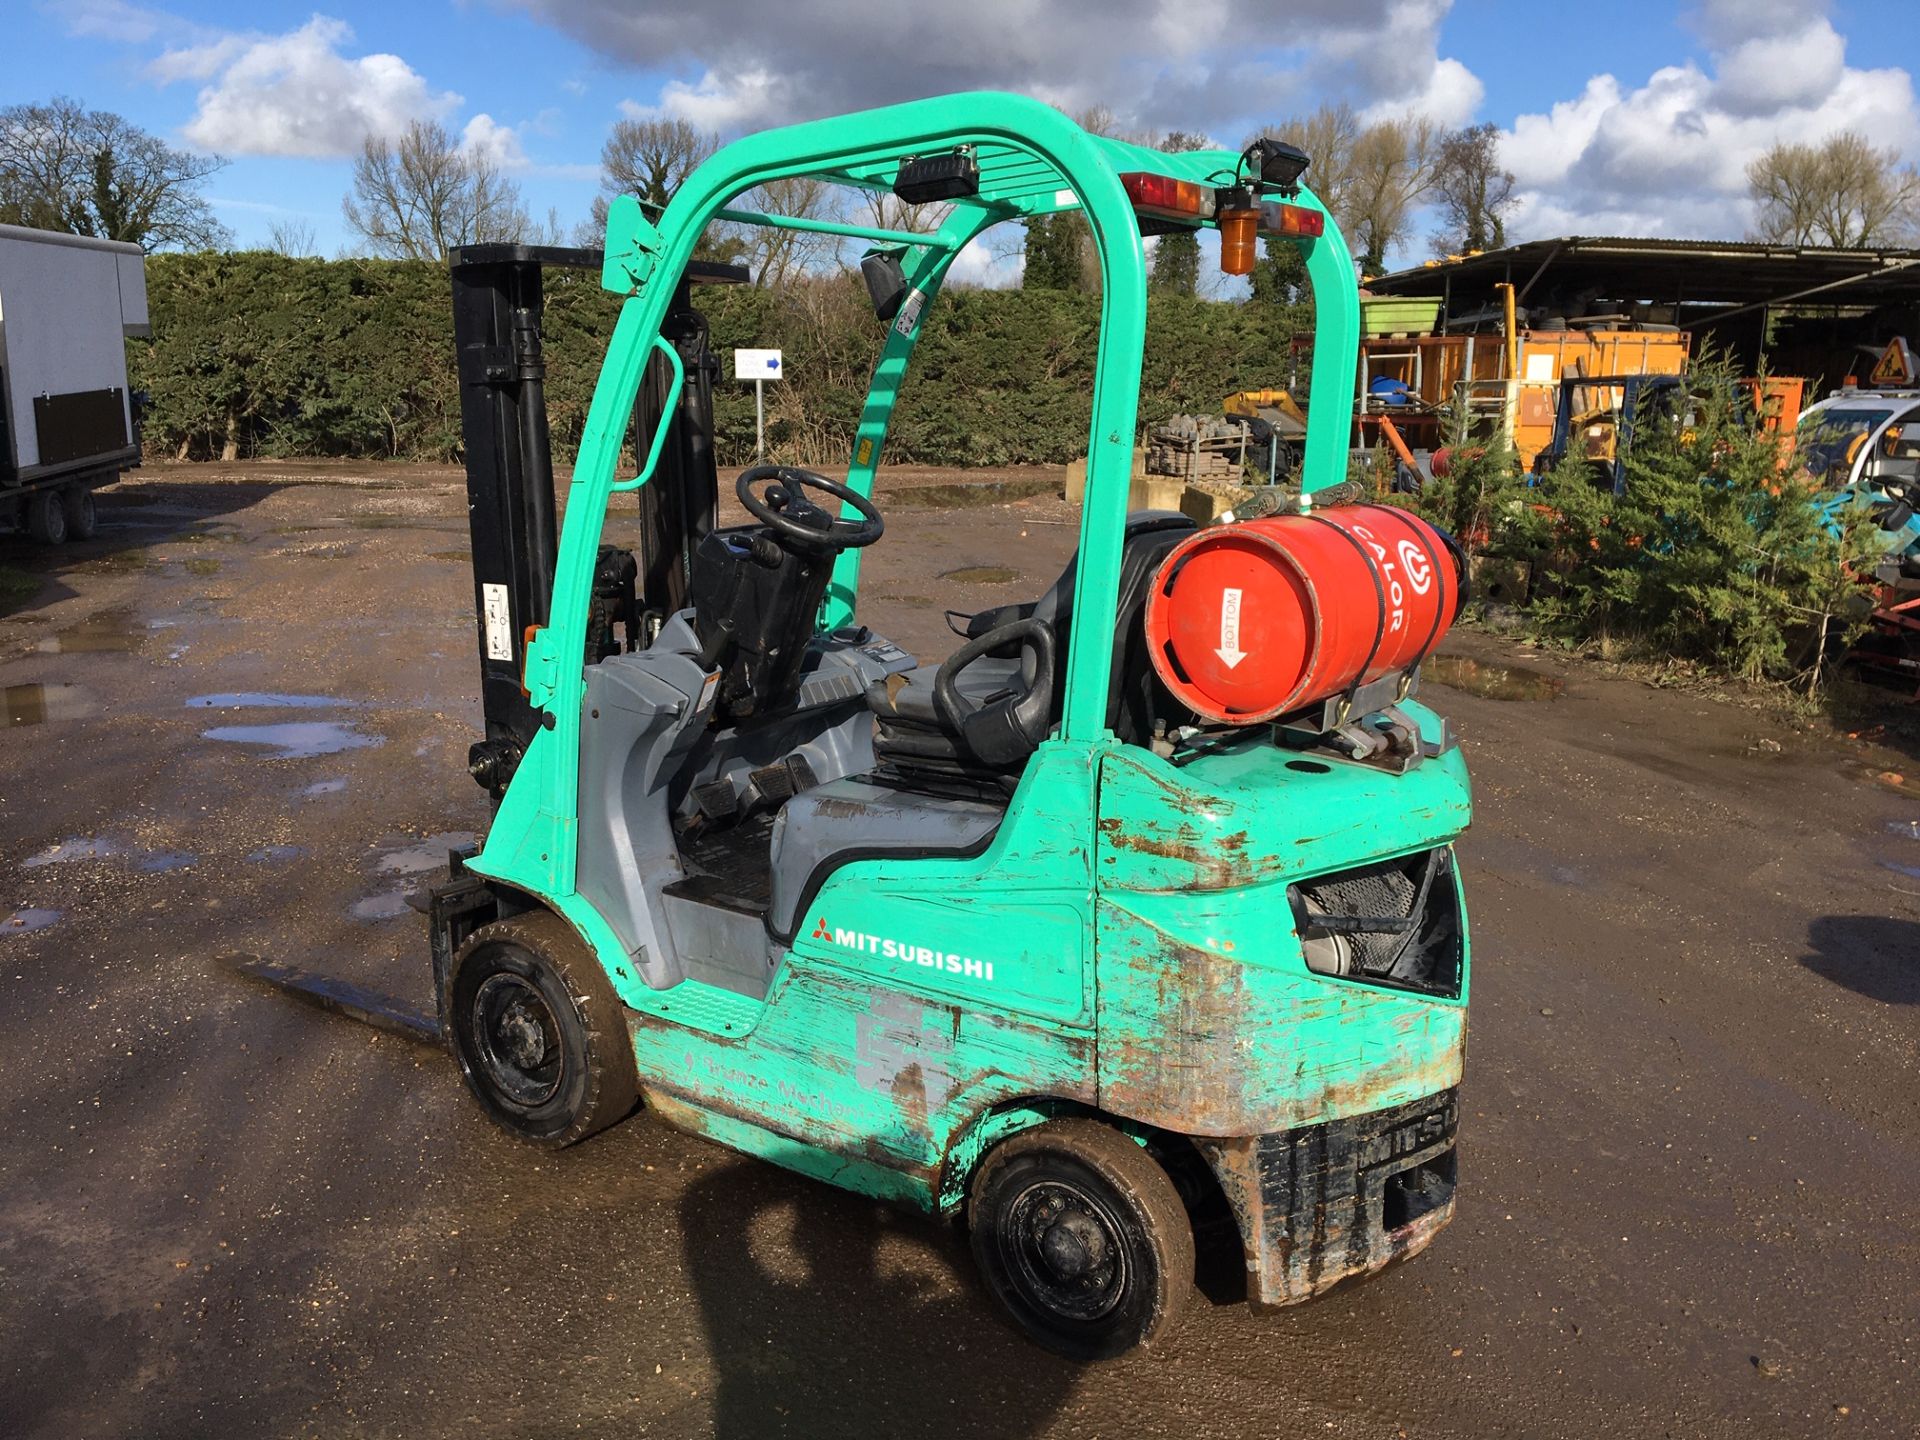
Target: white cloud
1450 97
1670 157
1218 66
499 143
736 101
1772 72
977 264
297 93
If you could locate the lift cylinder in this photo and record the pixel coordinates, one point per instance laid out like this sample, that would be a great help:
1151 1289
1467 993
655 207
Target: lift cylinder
1264 618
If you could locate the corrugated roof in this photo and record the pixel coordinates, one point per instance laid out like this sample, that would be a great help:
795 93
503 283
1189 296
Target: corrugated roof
1639 268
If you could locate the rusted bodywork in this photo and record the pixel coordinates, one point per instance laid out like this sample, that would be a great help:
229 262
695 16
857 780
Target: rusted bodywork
1322 1102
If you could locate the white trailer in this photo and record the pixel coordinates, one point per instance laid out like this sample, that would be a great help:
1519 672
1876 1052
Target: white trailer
67 422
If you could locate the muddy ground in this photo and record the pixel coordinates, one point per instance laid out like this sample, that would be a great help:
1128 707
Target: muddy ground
238 719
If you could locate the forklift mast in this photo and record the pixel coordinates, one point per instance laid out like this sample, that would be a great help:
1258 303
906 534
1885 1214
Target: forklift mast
498 300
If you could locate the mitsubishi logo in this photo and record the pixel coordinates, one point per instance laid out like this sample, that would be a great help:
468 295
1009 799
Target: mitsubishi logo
820 930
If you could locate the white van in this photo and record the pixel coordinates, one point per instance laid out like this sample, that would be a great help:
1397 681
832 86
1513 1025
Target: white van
67 422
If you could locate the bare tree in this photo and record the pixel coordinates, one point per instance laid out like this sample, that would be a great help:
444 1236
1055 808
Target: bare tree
1328 136
91 172
651 159
887 211
1473 190
292 236
1393 168
776 255
1842 192
1370 177
422 197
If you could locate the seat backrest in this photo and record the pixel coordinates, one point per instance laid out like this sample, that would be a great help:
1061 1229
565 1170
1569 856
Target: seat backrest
1150 534
1135 696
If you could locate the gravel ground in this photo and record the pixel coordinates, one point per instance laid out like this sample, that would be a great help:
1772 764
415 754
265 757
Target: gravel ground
237 721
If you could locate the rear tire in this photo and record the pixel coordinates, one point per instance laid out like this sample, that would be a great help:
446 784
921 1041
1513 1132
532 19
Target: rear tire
76 503
1082 1237
539 1035
46 517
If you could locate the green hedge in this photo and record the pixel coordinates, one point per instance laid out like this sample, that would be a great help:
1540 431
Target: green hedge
255 354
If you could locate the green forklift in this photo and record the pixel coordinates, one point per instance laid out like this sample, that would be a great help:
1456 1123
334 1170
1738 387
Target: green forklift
1030 939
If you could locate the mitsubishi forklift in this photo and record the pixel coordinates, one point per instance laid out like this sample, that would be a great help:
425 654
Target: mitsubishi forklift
1092 936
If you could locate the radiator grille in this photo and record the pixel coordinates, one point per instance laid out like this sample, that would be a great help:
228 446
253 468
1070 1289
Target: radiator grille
1396 923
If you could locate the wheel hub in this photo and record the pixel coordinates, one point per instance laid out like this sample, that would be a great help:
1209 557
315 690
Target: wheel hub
518 1034
1073 1246
1066 1248
516 1040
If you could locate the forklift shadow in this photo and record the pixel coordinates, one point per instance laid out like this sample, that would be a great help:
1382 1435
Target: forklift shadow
1872 955
827 1314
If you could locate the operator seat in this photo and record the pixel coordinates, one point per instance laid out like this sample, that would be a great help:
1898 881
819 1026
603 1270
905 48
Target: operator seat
914 737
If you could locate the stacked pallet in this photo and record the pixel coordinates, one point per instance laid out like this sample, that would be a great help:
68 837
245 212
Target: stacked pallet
1197 447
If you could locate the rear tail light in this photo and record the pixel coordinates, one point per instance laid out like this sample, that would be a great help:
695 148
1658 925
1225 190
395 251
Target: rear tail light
1300 221
1166 198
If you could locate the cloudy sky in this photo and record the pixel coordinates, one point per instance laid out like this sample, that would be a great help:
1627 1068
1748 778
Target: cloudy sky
1628 117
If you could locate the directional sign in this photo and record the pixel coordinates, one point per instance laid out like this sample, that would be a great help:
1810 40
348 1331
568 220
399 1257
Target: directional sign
1229 650
1895 369
756 365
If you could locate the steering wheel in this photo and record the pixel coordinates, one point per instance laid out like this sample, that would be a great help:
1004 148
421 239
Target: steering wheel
797 521
1007 728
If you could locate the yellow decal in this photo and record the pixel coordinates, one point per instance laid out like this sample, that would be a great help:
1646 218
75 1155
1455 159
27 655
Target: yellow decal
864 455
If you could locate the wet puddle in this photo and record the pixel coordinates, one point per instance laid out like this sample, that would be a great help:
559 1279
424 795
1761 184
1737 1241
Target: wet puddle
123 562
387 905
1892 779
114 630
264 700
164 862
403 867
100 847
968 497
1910 829
324 787
26 921
383 520
274 854
296 739
1912 872
37 704
1488 681
89 848
981 575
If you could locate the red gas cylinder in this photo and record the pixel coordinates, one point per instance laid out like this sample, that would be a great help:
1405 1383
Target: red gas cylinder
1258 619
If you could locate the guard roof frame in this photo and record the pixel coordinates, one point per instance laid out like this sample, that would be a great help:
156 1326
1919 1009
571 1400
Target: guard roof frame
1035 160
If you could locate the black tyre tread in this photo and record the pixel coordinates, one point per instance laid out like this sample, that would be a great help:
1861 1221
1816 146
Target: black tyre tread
1139 1180
613 1087
77 504
46 517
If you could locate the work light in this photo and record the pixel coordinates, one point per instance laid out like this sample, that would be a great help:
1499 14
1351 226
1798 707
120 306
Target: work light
1279 164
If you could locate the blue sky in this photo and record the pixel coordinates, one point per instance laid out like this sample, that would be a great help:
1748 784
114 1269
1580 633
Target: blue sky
1629 117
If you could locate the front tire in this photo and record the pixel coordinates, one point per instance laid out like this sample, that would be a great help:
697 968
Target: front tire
46 517
1082 1237
539 1035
